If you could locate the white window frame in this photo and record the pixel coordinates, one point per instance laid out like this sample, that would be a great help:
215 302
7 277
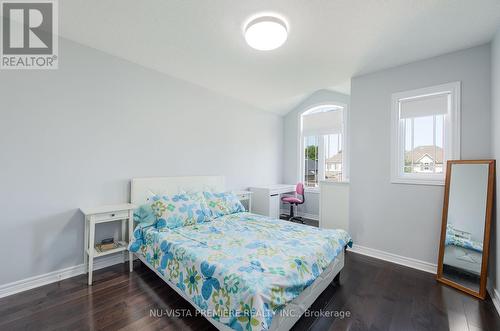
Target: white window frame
345 144
451 134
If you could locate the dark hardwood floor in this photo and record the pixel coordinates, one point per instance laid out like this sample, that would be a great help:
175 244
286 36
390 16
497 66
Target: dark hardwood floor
307 221
377 295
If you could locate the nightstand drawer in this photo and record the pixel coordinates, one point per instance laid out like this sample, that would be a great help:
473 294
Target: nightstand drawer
116 215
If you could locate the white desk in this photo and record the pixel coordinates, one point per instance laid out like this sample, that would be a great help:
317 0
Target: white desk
266 200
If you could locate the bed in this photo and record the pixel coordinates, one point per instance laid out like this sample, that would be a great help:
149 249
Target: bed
462 252
242 271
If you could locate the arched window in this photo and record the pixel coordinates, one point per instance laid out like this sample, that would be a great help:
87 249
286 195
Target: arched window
323 144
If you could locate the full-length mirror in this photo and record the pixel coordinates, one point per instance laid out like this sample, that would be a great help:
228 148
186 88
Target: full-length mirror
465 232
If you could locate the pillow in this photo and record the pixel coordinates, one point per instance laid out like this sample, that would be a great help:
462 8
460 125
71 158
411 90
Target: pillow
233 203
216 204
174 211
144 214
149 212
204 213
223 203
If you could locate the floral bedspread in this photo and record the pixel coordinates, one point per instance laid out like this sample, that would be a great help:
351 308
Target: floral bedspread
460 238
240 269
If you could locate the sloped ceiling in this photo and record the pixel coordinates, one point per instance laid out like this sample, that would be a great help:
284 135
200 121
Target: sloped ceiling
329 42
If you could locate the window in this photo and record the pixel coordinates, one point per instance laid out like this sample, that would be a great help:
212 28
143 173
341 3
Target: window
311 175
424 142
333 157
425 133
322 145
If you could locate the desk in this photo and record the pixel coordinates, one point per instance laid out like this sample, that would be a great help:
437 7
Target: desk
266 200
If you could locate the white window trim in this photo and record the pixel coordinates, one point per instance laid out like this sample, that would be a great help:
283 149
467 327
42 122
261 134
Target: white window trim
345 143
451 138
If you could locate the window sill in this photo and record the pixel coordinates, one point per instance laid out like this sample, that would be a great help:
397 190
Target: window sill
331 182
417 181
316 190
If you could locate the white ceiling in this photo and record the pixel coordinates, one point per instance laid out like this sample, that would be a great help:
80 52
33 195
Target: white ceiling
329 41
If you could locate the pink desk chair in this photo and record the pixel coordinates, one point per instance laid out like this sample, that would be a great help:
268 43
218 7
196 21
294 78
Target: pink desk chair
296 200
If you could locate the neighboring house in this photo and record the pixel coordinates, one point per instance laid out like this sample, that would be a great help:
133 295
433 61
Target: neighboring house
424 159
333 166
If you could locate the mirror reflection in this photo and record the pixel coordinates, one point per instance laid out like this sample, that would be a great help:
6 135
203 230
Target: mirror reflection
463 247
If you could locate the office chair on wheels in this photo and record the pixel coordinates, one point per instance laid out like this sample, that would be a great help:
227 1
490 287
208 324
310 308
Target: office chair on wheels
296 200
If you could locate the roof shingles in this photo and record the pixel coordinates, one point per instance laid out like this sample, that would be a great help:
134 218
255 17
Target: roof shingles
433 152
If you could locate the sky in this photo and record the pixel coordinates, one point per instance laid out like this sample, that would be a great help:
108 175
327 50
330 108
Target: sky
422 131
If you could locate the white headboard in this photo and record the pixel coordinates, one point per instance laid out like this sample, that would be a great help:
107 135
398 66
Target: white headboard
142 188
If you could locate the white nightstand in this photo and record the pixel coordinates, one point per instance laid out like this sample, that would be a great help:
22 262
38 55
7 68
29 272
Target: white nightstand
245 196
111 213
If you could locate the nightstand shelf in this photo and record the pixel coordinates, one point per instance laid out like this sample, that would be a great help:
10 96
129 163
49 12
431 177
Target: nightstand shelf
123 213
121 248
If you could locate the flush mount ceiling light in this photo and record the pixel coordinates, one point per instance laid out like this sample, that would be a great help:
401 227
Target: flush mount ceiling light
266 33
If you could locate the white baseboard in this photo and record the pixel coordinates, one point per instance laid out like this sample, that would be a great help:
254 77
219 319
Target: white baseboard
58 275
55 276
495 297
416 264
398 259
301 214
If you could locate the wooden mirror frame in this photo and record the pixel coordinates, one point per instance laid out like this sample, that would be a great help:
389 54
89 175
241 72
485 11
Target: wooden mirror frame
487 228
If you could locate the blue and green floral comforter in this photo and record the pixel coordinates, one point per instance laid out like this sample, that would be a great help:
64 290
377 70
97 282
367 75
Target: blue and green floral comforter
242 268
462 239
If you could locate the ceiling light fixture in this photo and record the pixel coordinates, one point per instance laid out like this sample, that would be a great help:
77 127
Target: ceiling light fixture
266 33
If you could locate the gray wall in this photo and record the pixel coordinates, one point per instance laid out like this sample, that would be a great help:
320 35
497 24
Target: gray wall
75 136
291 147
406 219
494 269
